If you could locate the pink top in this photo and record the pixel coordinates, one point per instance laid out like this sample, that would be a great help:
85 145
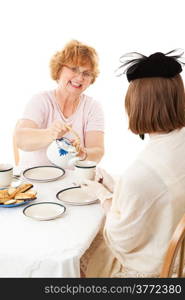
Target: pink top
43 110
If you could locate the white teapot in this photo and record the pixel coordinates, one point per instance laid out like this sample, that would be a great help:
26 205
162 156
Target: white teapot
61 153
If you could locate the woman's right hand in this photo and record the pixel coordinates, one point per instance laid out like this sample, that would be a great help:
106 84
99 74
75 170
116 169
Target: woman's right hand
81 151
57 129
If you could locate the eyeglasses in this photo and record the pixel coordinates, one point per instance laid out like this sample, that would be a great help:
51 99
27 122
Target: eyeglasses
76 71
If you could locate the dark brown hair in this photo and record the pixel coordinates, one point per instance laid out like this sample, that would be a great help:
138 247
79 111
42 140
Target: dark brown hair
155 104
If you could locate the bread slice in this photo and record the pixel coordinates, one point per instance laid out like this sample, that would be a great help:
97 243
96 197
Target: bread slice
20 189
24 187
11 191
19 201
11 201
25 196
2 201
3 194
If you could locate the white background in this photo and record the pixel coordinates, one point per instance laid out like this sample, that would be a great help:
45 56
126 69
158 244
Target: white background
32 31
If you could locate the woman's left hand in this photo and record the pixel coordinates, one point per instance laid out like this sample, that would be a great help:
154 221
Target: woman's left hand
105 178
96 189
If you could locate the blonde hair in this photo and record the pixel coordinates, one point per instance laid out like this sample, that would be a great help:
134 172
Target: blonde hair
77 54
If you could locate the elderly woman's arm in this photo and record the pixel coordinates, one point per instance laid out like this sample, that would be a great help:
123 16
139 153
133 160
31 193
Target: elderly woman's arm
94 145
30 138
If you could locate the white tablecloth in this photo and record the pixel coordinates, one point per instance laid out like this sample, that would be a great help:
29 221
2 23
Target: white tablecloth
31 248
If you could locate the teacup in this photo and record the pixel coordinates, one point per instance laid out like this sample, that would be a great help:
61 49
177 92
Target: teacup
84 170
6 174
61 153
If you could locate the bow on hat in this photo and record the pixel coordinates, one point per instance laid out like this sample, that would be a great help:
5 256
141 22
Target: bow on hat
158 64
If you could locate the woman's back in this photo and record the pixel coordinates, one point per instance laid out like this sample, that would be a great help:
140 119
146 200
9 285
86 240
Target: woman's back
148 203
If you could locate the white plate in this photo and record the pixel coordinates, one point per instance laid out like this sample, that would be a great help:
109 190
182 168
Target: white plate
75 196
44 211
43 173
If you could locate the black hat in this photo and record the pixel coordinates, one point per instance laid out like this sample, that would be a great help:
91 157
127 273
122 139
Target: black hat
156 65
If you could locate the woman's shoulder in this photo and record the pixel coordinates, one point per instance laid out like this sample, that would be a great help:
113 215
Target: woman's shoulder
142 180
136 174
90 103
42 99
43 95
89 99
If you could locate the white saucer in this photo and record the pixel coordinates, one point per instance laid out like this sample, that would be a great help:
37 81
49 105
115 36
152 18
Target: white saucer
43 173
44 211
75 196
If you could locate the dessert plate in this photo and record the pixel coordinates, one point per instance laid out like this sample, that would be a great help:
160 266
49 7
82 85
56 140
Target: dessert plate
44 211
75 196
43 173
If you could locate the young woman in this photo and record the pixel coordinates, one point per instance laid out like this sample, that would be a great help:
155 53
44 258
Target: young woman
149 198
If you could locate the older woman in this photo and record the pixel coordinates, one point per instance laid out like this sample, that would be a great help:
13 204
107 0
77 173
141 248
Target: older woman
149 198
49 114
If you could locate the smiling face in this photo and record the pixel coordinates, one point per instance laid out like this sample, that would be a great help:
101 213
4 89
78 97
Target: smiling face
74 80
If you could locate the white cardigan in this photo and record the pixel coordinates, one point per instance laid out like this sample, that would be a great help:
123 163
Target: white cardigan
148 202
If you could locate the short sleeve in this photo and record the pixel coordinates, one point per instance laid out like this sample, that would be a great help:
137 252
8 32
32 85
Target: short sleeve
35 110
95 119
